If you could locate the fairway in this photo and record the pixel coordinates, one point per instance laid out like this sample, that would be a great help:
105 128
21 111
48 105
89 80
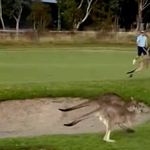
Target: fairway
41 66
70 71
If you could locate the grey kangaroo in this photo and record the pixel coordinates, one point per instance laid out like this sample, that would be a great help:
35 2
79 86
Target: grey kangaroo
142 64
104 98
111 115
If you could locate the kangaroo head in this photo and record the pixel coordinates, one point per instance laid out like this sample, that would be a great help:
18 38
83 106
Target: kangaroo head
144 108
139 107
133 105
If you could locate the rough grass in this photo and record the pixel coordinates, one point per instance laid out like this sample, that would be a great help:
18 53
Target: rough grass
67 38
139 89
55 45
125 141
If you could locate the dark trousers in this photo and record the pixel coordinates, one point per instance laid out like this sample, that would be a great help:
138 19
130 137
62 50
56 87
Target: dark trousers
141 50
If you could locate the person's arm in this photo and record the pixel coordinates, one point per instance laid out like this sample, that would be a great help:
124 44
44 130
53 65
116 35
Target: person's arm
137 40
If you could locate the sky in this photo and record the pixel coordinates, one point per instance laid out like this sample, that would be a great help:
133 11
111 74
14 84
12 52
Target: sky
51 1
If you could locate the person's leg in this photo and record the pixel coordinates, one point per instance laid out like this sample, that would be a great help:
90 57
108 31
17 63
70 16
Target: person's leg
139 52
145 53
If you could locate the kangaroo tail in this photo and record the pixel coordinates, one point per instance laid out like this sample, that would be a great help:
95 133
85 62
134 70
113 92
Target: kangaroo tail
77 106
73 122
130 72
82 118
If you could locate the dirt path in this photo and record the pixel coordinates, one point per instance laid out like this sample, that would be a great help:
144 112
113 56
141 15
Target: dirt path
41 117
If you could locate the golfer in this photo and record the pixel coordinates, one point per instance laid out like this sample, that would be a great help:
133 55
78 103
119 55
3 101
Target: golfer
141 46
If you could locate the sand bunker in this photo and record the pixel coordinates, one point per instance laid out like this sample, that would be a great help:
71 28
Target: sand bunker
42 117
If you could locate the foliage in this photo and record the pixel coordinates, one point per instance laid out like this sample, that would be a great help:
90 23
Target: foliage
121 12
101 16
69 12
142 5
40 15
14 6
14 9
76 12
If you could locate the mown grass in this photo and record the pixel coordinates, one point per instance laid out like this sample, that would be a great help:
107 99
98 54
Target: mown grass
74 72
63 65
124 141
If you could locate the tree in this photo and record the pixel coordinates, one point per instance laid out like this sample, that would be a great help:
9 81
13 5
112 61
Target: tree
68 13
128 14
142 5
88 9
1 15
15 8
115 7
102 16
76 12
40 15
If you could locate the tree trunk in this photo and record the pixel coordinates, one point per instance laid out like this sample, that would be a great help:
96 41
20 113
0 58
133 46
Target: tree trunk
2 21
18 19
34 26
17 27
1 15
88 11
34 23
116 23
59 19
139 18
77 26
17 24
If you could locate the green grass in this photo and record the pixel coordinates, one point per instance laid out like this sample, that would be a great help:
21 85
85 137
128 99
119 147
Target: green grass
60 44
63 65
124 141
73 72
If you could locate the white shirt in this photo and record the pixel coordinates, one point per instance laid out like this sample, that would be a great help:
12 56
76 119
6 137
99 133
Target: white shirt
141 41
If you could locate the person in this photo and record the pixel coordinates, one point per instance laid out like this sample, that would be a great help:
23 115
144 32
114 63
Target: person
141 46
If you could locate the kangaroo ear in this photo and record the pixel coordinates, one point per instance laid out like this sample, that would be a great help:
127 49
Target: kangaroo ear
132 98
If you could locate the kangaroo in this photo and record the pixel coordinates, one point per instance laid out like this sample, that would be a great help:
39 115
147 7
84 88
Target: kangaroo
104 98
142 64
111 115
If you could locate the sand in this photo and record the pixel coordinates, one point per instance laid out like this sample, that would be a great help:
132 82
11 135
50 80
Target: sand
33 117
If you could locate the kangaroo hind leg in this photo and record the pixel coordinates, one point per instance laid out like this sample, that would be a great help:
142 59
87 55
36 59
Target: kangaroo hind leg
108 131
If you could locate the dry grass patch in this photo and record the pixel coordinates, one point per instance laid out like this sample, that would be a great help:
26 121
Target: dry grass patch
57 37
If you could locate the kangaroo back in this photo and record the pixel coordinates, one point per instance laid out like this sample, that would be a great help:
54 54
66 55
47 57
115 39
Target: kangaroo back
84 104
104 98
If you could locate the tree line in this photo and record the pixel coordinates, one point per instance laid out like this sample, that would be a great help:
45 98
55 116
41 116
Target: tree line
39 15
80 14
105 14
